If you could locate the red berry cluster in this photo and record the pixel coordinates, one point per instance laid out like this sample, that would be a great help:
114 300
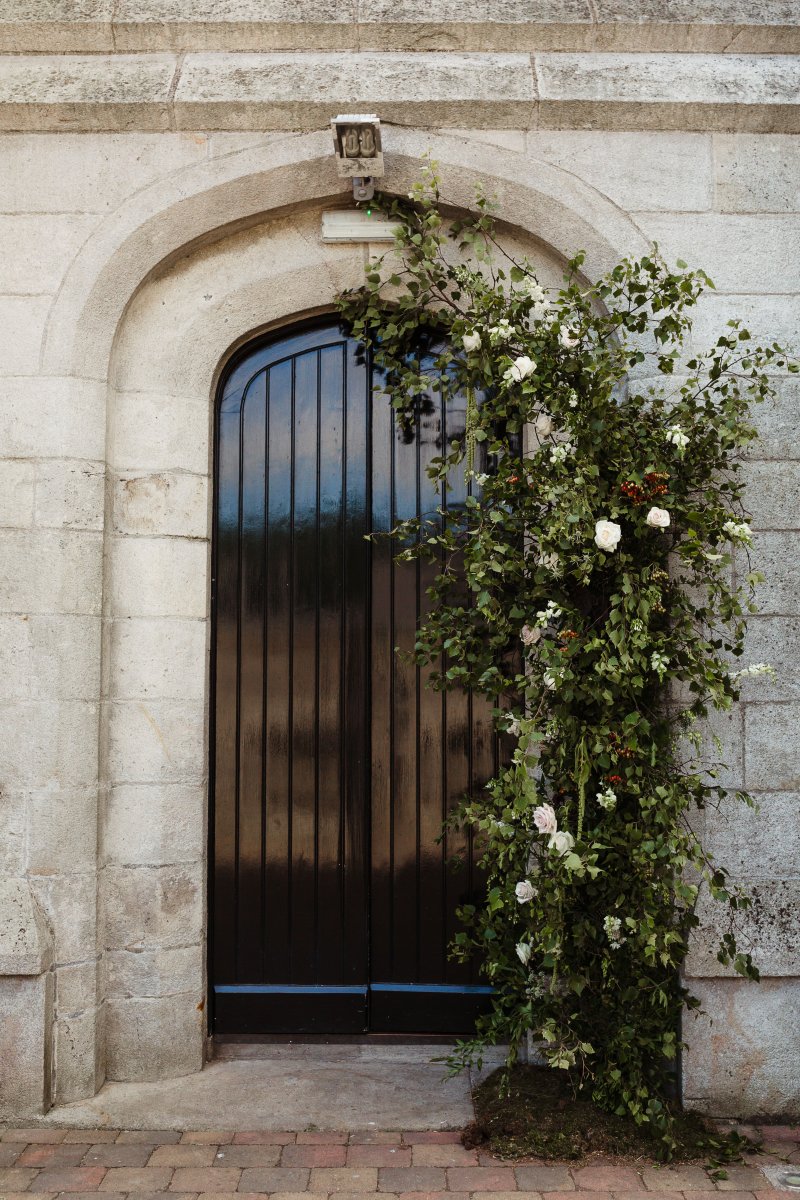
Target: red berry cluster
654 485
616 749
617 779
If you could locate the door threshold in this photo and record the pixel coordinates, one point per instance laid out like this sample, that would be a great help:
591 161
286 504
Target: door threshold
334 1039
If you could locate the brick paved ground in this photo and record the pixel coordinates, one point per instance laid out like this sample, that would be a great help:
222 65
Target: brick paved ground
209 1165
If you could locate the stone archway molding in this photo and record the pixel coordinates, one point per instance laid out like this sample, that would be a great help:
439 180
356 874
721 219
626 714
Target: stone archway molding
209 200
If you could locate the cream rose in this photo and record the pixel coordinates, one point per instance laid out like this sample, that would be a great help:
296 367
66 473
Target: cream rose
607 535
472 342
524 953
562 842
543 425
544 818
524 891
658 518
569 338
520 369
530 636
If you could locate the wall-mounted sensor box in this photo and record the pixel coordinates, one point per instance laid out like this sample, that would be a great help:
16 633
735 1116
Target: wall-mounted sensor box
356 225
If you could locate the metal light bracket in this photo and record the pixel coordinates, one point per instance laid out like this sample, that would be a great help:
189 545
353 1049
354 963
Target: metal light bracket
359 152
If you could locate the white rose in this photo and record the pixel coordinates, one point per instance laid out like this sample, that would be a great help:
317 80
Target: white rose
472 341
569 338
534 290
524 891
520 369
544 818
549 680
513 727
502 331
658 518
607 535
524 953
543 425
561 842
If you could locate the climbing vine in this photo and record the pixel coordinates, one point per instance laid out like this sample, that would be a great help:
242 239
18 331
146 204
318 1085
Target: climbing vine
585 586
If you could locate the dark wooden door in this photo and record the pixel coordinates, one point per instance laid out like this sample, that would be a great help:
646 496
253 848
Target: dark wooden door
333 901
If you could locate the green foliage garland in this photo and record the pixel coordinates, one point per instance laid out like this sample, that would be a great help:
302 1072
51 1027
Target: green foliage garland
586 588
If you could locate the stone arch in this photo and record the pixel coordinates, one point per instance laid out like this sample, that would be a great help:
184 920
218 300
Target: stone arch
152 307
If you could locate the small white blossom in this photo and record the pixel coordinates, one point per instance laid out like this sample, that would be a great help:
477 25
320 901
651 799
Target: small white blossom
738 531
676 437
482 479
550 680
658 518
512 727
754 671
530 635
545 615
607 535
572 398
544 818
607 799
524 950
659 663
472 342
534 290
524 891
561 452
613 931
562 842
520 369
502 331
569 338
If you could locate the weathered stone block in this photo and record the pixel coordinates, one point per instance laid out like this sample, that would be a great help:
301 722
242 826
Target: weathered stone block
79 1070
776 422
37 249
92 92
151 432
77 987
22 321
65 25
638 171
154 972
767 257
768 931
68 172
769 319
155 824
70 904
273 91
773 494
70 495
774 555
774 640
742 1057
772 748
757 173
60 740
154 1038
163 503
236 25
157 741
756 844
148 907
484 25
13 834
49 657
52 418
47 572
26 943
159 659
26 1021
16 493
159 577
62 836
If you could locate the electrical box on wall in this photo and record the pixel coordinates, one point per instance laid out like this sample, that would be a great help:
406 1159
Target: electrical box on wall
356 225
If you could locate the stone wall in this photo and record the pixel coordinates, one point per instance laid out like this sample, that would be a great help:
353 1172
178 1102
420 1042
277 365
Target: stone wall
174 214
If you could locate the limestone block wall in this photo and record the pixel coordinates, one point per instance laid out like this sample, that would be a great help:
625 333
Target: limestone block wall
160 189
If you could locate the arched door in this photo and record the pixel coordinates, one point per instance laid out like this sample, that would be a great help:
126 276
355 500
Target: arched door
333 899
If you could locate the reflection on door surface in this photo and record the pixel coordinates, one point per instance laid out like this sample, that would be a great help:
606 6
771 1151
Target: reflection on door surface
333 899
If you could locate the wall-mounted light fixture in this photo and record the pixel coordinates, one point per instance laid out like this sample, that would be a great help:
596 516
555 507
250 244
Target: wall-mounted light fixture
359 154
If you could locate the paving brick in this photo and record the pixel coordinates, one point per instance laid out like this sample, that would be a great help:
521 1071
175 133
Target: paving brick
648 1195
207 1137
33 1135
136 1179
729 1195
322 1138
375 1137
481 1179
206 1179
449 1155
379 1156
247 1156
273 1179
230 1195
676 1179
544 1179
182 1156
313 1156
16 1179
740 1179
344 1179
10 1152
607 1179
27 1196
293 1196
432 1137
93 1195
506 1196
68 1179
412 1179
116 1156
780 1133
48 1155
262 1137
153 1137
91 1137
